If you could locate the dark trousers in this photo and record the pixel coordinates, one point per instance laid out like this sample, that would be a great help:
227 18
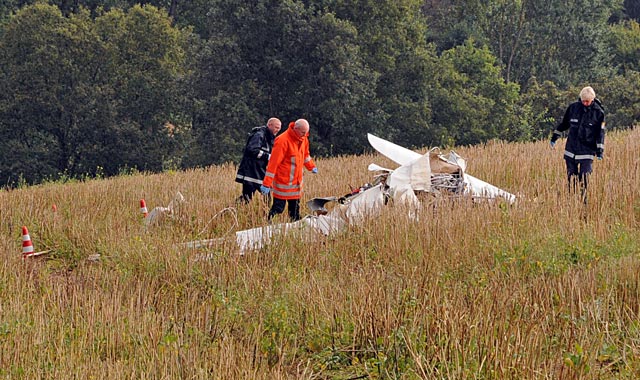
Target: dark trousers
278 207
248 188
578 172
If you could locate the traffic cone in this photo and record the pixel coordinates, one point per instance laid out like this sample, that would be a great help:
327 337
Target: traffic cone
143 208
27 245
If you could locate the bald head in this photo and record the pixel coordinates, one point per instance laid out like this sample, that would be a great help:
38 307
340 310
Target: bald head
274 124
302 127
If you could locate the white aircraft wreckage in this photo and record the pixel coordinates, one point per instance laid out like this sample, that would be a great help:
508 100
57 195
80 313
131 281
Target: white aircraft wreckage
472 186
418 173
159 213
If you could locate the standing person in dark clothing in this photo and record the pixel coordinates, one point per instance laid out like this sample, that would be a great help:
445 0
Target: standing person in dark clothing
255 158
284 172
585 121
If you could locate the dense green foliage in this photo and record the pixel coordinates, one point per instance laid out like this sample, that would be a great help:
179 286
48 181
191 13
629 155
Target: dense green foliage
87 95
97 87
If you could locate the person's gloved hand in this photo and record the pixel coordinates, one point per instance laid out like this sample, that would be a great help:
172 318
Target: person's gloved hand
599 157
553 144
314 171
264 190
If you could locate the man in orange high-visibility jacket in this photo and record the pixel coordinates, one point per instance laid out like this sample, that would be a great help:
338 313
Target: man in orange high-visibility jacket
284 170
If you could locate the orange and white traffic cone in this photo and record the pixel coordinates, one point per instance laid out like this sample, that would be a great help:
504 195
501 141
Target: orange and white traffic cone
143 208
27 245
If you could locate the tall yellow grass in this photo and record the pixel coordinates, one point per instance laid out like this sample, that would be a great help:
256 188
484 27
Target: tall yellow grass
544 289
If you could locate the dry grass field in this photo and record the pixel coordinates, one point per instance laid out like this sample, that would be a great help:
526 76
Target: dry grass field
543 289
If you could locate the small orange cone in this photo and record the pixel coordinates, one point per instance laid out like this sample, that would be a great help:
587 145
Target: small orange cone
54 208
27 245
143 208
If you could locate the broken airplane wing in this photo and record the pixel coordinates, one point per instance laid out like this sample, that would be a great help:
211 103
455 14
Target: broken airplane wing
402 156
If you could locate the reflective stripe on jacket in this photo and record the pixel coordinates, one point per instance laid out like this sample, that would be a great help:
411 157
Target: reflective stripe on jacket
255 156
284 171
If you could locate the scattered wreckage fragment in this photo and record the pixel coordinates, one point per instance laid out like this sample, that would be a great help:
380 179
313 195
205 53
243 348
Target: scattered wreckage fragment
158 213
311 227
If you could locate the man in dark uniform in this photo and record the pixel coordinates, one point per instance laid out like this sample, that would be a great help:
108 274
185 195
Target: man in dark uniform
255 158
585 121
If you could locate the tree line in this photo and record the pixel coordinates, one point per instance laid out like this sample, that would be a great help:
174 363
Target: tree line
97 88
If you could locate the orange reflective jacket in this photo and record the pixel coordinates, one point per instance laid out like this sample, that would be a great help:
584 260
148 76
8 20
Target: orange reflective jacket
284 170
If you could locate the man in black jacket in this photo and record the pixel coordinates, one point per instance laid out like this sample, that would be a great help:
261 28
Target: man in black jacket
585 121
255 158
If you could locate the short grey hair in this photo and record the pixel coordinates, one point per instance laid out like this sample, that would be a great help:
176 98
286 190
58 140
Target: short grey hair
587 93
